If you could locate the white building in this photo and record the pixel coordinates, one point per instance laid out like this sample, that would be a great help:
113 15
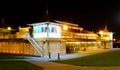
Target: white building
53 37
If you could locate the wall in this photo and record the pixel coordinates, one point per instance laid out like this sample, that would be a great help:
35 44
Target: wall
17 48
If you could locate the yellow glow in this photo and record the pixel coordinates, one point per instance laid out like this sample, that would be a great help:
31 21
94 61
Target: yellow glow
70 42
93 42
9 28
77 42
107 38
101 32
114 39
81 29
88 42
82 42
65 27
99 42
27 29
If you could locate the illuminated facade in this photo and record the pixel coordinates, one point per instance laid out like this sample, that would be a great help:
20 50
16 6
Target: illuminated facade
63 37
53 37
106 38
22 31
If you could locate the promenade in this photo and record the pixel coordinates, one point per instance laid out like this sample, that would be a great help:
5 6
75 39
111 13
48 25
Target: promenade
44 62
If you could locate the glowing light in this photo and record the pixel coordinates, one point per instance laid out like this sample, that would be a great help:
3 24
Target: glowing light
77 42
71 42
27 29
114 39
99 42
9 28
82 42
93 42
65 27
88 42
101 32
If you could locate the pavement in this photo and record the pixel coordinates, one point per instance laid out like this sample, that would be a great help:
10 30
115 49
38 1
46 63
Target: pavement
58 66
44 62
68 56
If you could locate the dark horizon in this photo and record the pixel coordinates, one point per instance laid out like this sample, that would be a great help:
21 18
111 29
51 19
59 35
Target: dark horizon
91 15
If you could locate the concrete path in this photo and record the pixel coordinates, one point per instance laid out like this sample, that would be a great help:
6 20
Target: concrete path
68 56
57 66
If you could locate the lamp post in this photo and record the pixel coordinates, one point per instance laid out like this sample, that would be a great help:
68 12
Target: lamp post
9 28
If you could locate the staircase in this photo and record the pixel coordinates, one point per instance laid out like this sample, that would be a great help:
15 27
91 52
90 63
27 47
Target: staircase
35 44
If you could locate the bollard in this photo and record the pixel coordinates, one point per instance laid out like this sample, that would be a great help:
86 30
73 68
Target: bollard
58 56
49 55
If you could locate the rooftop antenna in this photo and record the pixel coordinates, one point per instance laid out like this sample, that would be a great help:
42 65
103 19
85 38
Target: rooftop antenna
106 29
2 20
3 25
46 17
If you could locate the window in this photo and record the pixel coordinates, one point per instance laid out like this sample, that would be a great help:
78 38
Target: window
44 29
105 35
37 30
54 29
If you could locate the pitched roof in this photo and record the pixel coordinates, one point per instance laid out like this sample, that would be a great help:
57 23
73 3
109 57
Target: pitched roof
2 23
105 29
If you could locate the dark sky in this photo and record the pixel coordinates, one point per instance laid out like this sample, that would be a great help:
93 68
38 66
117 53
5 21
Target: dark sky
92 15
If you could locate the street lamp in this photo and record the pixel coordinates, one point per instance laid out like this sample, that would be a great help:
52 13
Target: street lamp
114 39
9 28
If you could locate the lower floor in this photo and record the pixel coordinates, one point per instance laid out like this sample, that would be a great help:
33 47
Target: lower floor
84 46
23 47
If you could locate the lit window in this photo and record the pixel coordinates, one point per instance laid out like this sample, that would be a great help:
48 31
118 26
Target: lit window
44 29
53 29
37 30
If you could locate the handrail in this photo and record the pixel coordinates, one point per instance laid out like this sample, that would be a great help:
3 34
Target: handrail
35 44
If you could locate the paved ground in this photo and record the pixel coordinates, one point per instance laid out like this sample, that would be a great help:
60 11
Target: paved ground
69 56
44 62
58 66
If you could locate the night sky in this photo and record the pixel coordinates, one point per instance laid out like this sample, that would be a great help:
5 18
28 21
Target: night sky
92 15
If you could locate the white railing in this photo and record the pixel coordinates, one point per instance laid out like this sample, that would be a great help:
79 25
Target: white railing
35 44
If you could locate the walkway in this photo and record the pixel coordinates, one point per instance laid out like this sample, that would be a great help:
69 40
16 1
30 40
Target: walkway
68 56
43 62
58 66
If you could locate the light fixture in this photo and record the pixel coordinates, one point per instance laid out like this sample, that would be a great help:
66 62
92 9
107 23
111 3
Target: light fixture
101 32
9 28
65 27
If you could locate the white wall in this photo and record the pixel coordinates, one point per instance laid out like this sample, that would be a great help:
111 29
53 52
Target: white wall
39 31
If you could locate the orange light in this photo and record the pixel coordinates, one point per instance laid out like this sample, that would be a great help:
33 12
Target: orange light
65 27
101 32
9 28
114 39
